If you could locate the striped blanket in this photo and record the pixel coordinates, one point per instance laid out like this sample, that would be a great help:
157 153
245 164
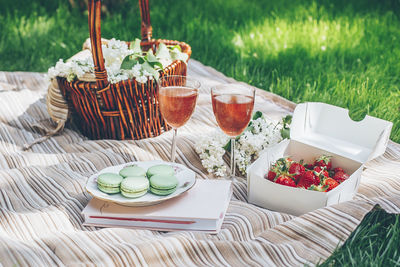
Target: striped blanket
42 194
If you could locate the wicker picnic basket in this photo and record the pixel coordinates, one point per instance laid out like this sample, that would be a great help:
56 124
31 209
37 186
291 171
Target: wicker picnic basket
124 110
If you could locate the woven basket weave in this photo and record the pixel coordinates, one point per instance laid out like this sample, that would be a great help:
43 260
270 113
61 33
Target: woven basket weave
127 109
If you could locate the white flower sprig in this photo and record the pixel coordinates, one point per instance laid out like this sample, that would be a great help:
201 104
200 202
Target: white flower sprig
71 69
260 134
211 151
122 62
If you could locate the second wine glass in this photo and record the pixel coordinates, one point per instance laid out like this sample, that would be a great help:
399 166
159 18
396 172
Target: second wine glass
233 106
177 97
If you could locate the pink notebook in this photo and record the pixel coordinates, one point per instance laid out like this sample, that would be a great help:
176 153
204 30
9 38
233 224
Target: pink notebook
202 208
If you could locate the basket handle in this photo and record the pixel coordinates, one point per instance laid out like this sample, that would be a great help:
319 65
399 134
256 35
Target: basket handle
94 18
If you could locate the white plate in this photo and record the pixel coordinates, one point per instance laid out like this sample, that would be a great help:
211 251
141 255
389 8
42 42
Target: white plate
186 180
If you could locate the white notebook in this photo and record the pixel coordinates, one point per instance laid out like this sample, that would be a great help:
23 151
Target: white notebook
202 208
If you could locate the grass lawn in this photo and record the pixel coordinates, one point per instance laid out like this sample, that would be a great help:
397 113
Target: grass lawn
343 52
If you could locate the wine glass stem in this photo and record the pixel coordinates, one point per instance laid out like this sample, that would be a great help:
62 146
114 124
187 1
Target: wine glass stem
173 149
232 157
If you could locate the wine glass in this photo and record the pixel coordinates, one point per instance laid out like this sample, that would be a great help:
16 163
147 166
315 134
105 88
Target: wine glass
177 97
233 105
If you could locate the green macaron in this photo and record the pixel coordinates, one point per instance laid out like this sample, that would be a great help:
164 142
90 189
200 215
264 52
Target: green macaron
133 187
132 171
162 184
160 169
109 182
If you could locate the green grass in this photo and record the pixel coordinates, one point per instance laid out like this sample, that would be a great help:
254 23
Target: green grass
375 243
343 52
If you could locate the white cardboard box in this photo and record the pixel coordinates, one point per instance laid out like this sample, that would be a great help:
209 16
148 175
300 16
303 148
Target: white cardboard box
317 129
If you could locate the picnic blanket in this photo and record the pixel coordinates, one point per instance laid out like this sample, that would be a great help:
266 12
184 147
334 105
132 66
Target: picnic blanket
42 194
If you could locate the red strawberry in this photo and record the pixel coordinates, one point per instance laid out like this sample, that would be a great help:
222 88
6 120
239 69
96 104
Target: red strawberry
338 169
340 177
309 166
324 161
317 169
297 170
321 171
271 175
285 180
280 166
308 178
331 183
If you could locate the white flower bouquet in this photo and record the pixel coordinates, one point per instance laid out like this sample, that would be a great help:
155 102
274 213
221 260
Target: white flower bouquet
122 62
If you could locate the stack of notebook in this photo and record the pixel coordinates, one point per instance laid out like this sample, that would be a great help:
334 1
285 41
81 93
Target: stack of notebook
202 208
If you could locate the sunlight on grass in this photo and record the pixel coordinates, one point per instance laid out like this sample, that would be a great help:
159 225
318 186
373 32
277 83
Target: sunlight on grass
275 36
315 56
33 26
39 39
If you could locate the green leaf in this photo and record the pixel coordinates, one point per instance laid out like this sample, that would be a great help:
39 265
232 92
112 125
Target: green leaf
285 133
257 115
172 47
141 60
176 54
150 57
163 52
287 121
128 63
227 147
147 67
158 64
135 46
153 60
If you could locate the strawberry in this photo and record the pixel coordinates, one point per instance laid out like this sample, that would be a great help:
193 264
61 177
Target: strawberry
309 166
271 175
331 183
297 170
279 167
285 180
340 177
324 161
318 168
321 171
308 178
338 169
